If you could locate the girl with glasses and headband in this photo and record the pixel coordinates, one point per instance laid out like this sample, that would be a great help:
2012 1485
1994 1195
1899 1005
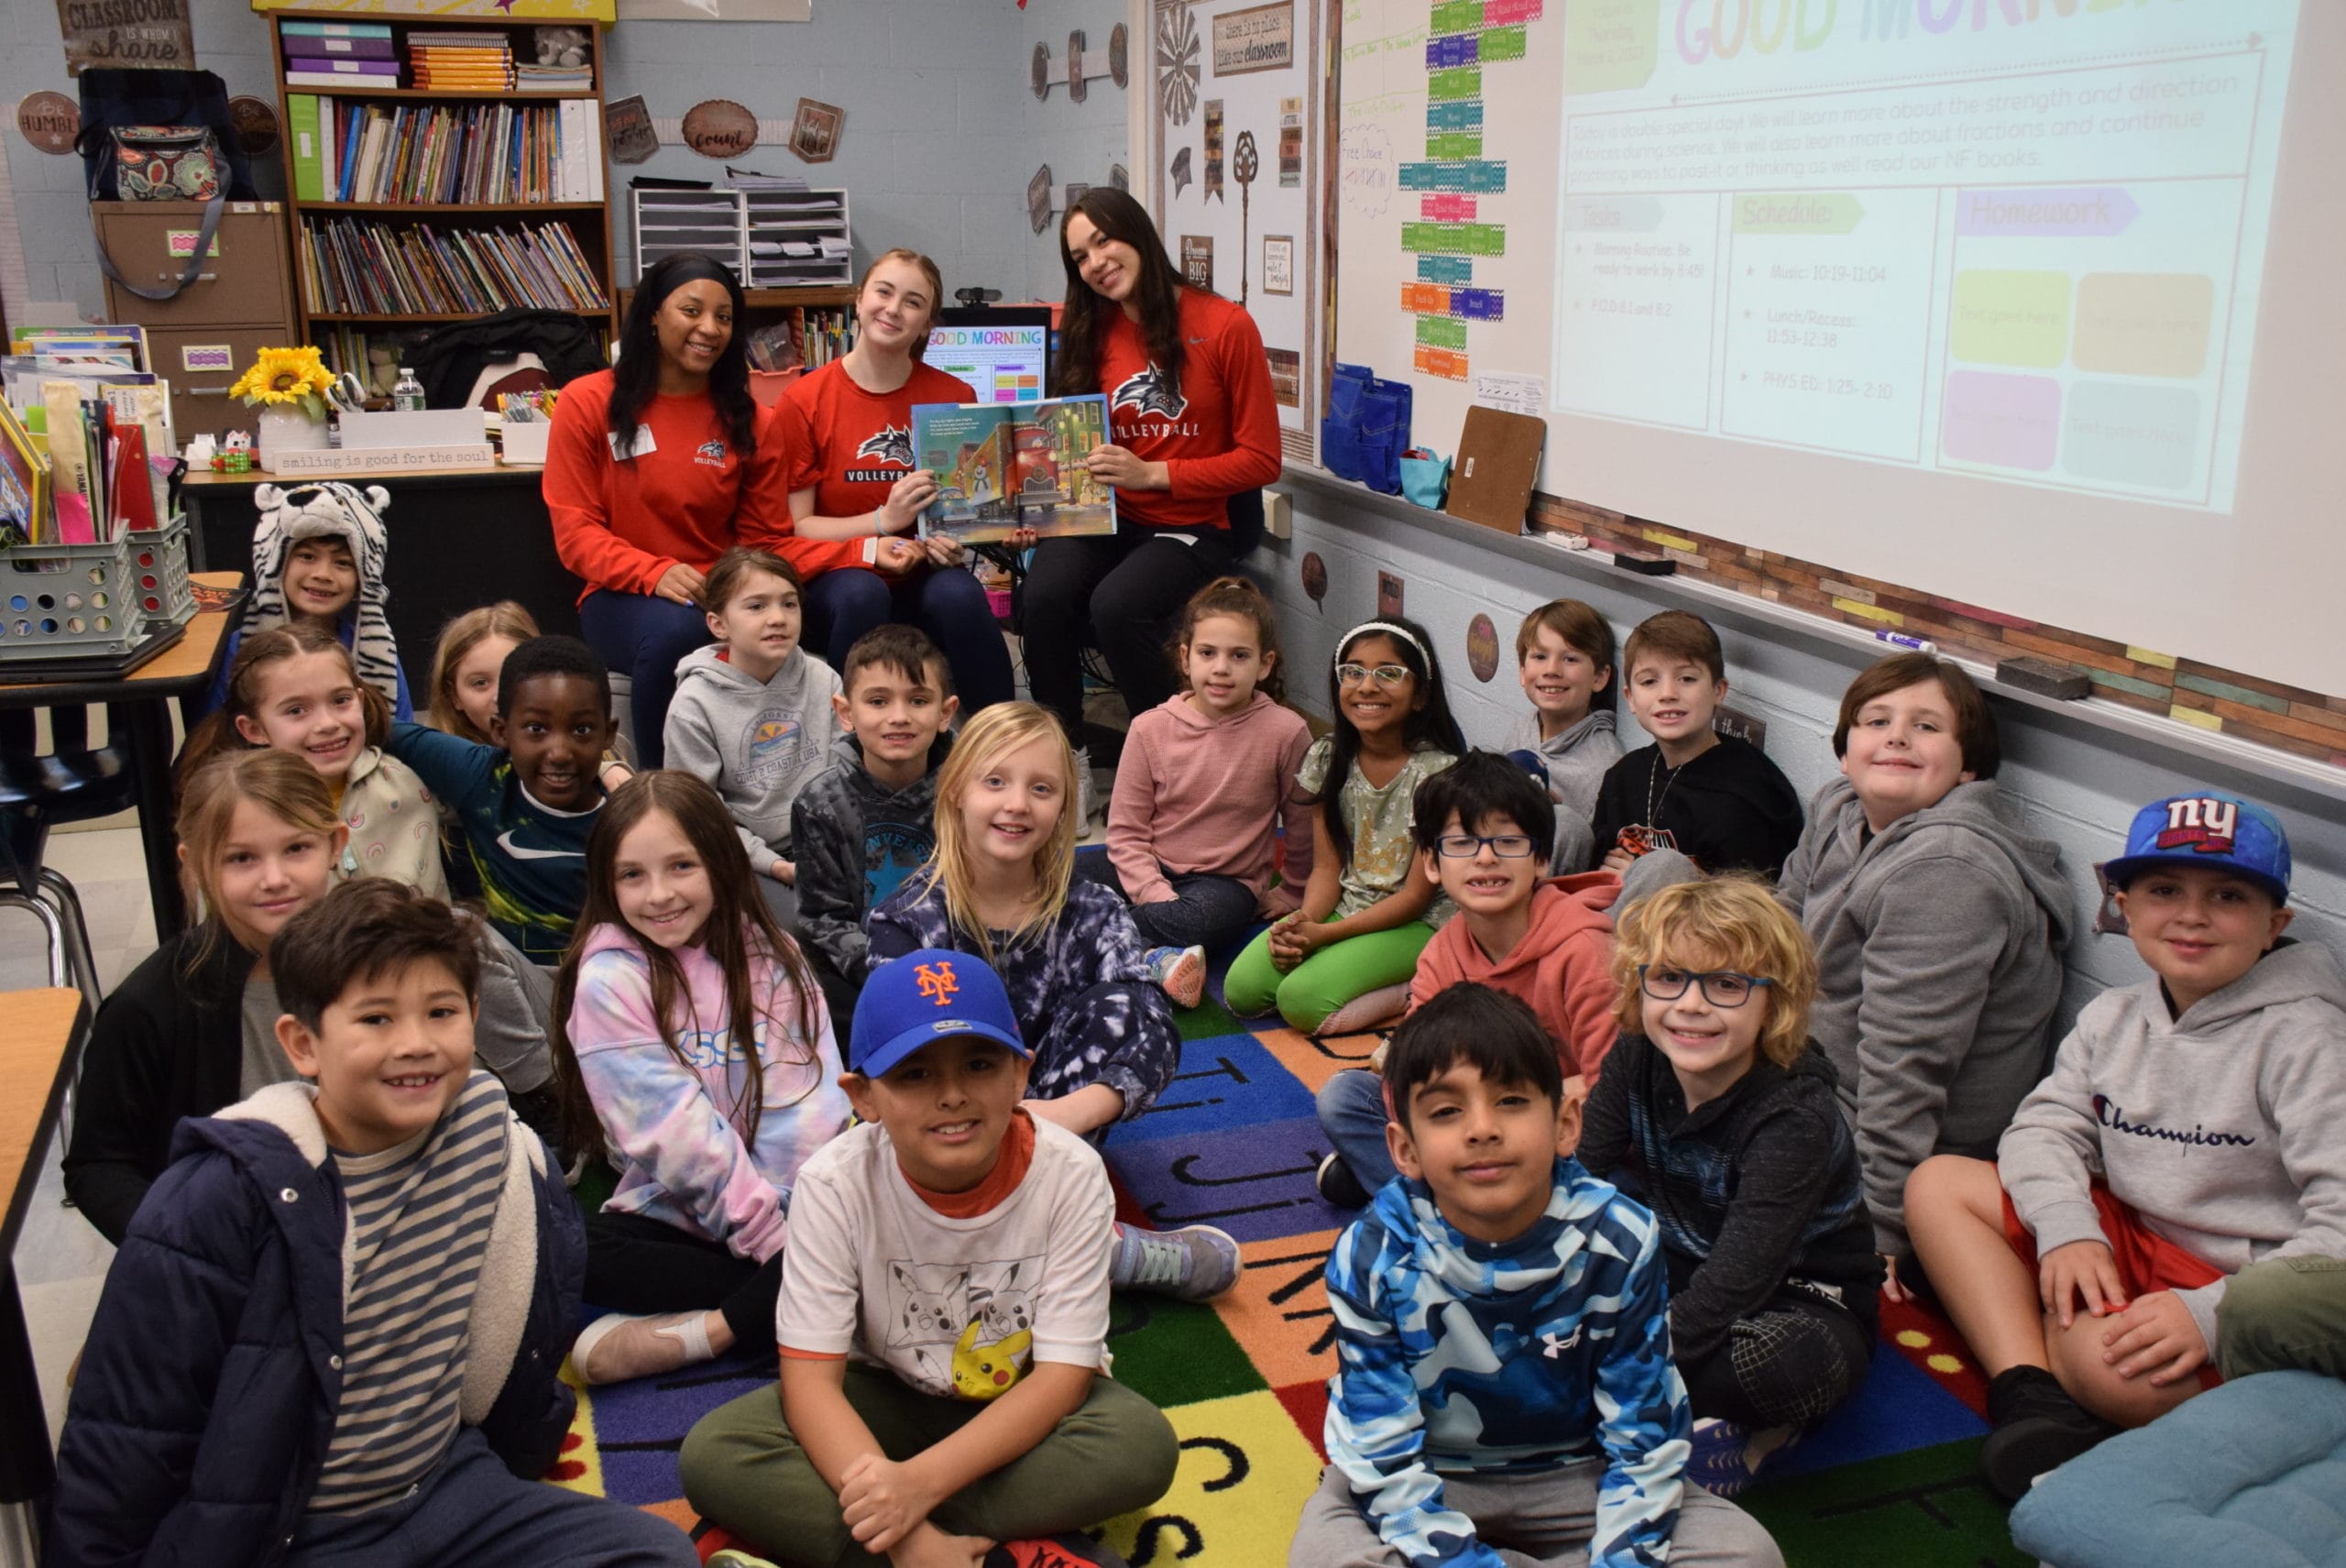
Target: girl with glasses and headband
1343 961
1717 1112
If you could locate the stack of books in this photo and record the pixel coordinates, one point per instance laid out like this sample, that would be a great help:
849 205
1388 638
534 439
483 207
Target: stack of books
461 61
351 267
555 78
465 152
355 55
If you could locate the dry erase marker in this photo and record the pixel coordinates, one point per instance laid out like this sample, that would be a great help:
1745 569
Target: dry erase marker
1911 644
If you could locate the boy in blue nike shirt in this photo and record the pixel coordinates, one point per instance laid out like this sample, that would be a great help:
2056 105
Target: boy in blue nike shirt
527 804
1504 1382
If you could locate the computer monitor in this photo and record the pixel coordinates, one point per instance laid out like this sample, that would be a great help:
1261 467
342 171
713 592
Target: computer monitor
1003 351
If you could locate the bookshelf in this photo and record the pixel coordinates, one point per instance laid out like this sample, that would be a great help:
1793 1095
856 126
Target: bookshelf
415 206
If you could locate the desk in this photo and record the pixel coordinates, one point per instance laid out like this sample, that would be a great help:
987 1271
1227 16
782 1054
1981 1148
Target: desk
40 1031
140 701
459 538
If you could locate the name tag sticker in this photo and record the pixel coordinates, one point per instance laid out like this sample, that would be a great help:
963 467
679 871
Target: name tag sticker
642 446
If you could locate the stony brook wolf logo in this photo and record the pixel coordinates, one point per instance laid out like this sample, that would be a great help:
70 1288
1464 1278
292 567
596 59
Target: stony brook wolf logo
2206 824
1150 392
889 445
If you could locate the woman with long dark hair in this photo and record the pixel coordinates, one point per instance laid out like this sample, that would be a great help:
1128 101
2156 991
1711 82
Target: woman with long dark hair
860 493
654 468
1192 422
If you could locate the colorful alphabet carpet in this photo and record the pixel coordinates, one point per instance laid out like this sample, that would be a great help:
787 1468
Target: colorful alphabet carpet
1890 1480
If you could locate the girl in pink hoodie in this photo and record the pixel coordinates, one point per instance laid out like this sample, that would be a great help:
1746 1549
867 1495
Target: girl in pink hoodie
707 1122
1205 778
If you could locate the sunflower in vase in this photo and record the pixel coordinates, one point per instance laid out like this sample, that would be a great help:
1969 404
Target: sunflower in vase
285 379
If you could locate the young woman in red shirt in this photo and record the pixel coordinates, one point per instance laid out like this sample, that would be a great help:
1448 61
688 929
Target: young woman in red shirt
1192 423
654 468
858 495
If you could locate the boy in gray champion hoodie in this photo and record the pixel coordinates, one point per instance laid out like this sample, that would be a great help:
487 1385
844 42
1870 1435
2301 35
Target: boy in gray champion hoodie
752 715
1938 928
2194 1124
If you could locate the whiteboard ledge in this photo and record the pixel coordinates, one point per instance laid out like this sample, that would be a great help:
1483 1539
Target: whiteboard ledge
2259 764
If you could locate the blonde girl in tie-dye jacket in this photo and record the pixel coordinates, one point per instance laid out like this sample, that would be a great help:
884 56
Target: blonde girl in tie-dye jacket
707 1122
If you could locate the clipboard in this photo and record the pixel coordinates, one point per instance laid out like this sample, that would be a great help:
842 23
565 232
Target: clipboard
1498 459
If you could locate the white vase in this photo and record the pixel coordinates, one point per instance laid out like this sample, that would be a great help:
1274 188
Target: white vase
288 429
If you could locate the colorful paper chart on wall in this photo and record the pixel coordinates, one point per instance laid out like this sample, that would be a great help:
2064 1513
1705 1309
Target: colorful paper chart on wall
1239 133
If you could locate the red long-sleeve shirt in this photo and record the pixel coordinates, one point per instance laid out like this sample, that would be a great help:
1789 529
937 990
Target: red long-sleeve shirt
621 524
1218 433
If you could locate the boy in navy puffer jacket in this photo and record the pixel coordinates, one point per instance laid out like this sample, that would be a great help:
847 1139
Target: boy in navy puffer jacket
334 1328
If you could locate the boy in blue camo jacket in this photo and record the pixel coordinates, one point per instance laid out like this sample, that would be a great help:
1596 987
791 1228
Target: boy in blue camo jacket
1505 1393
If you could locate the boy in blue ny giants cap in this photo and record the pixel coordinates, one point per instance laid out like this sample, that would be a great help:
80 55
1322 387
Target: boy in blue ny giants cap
2194 1125
944 1316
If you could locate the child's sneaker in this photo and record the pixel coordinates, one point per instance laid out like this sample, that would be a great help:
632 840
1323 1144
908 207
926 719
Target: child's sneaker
617 1346
1338 1185
2038 1427
1053 1552
1179 973
1195 1263
1727 1457
736 1557
1086 792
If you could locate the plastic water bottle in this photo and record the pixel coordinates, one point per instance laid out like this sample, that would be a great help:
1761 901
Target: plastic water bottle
408 393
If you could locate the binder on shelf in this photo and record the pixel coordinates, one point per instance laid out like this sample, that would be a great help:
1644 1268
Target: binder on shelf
308 176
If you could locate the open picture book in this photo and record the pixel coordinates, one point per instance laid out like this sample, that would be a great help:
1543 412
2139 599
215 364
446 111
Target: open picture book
1003 466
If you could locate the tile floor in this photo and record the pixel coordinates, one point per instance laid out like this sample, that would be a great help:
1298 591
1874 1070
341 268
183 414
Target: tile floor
60 1261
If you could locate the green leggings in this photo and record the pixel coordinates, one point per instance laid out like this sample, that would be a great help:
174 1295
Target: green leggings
1308 994
2285 1312
742 1469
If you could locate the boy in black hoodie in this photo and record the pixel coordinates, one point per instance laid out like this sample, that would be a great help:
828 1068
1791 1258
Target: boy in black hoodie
863 825
1717 1111
1715 799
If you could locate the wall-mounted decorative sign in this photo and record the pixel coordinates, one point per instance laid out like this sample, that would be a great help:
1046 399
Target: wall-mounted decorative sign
1177 63
1197 260
51 121
131 34
1482 648
255 123
1279 264
1038 199
627 124
1262 39
815 134
719 128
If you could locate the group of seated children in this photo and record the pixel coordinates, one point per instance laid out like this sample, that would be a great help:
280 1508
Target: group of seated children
835 1004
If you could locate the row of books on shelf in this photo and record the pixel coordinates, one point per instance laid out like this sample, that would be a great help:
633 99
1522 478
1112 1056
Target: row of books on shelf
354 266
365 54
803 339
511 153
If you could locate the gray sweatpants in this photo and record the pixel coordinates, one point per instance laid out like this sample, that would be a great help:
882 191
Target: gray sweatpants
1539 1521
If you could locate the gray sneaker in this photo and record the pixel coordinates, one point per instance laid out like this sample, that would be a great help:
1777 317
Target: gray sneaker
1195 1263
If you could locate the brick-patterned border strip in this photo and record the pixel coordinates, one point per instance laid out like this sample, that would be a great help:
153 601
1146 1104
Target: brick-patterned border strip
2287 719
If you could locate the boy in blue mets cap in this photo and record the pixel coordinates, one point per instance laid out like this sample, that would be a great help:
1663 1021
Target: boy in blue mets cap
2190 1129
943 1320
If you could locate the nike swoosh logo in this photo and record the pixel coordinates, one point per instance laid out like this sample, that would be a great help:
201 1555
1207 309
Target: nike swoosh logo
505 842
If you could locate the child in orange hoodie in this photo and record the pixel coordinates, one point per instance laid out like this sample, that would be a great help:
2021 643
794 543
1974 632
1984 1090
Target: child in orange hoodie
1484 830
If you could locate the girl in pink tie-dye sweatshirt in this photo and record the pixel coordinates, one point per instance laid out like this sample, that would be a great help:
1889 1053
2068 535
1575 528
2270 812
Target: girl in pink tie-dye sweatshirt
707 1122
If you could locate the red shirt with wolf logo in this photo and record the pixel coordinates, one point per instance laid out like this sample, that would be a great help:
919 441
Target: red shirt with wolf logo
1217 432
861 443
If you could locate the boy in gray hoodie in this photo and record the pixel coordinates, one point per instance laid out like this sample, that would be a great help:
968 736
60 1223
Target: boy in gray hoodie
866 822
752 714
1938 931
2194 1124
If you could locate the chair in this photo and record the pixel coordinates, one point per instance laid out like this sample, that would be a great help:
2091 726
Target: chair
72 782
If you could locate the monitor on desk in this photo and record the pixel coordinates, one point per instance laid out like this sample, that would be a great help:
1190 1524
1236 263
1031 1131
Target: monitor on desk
1003 351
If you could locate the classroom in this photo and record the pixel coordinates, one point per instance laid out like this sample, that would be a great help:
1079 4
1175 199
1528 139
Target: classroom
1031 783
